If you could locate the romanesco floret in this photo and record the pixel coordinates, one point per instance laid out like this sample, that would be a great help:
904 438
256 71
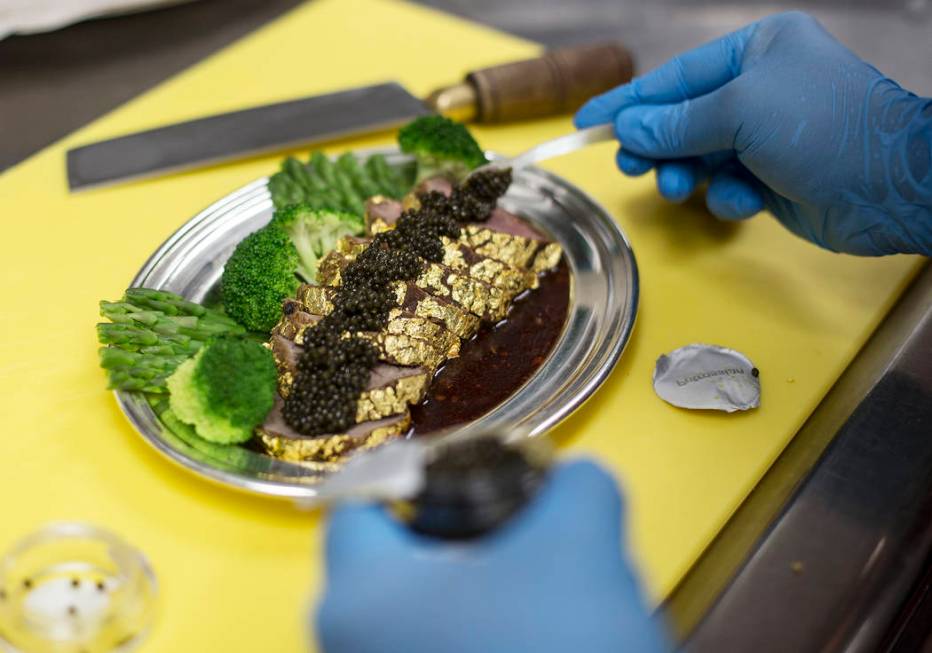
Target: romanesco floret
225 390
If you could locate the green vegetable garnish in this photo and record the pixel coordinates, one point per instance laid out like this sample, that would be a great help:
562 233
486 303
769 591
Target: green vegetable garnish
314 233
343 186
441 147
150 333
225 390
258 276
261 272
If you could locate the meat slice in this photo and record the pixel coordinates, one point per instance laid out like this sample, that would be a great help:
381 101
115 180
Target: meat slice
391 388
478 297
410 299
277 439
460 258
287 352
394 344
434 185
547 253
298 317
294 320
508 223
504 237
381 211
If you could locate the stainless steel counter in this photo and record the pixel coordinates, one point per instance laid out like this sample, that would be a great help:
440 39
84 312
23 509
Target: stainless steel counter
833 550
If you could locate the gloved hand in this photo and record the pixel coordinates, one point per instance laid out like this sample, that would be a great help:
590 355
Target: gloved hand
551 580
781 115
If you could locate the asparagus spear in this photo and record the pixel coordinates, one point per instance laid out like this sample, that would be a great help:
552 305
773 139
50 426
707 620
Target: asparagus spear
150 333
387 178
364 185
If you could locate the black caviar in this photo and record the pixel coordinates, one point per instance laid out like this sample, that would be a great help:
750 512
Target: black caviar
334 368
331 374
488 185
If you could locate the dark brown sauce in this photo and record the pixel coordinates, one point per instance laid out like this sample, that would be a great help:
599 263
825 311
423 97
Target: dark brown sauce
499 359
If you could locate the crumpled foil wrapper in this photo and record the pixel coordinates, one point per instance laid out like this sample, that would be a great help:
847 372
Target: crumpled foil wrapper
707 377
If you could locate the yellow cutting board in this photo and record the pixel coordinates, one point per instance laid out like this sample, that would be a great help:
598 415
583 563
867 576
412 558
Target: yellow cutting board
239 573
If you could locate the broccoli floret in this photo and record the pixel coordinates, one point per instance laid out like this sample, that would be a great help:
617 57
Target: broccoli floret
258 276
441 147
261 272
225 390
315 232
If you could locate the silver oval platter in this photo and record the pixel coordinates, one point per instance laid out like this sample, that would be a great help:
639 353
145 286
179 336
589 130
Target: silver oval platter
603 303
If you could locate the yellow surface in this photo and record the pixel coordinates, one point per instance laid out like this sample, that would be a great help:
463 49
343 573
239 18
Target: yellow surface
237 573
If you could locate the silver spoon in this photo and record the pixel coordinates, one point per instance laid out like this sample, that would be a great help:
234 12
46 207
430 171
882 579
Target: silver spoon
553 148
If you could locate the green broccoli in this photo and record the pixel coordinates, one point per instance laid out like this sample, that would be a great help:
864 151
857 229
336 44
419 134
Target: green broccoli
314 233
258 276
261 272
441 147
225 390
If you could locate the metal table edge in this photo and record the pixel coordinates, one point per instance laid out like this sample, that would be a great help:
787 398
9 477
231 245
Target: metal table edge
714 606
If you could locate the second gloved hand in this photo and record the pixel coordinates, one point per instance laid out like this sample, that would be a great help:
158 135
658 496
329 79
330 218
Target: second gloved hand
551 580
781 115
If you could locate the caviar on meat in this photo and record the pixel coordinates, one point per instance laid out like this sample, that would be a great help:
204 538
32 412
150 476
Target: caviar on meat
333 370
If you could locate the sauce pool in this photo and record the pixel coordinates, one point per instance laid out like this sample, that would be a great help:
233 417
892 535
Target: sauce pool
499 359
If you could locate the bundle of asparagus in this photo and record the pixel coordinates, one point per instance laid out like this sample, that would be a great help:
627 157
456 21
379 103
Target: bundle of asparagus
150 333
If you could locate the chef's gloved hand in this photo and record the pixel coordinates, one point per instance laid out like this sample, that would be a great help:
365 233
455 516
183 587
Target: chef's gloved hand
781 115
553 579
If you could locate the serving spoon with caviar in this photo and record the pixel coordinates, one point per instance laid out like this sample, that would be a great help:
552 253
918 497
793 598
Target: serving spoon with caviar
553 148
451 489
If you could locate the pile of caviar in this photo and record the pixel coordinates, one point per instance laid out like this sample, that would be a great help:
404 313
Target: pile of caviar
331 374
334 369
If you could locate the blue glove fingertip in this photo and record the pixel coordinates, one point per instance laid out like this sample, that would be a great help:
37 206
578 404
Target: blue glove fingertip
676 181
632 164
731 198
601 109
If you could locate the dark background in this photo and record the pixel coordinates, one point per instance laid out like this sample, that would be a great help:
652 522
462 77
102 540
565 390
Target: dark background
53 83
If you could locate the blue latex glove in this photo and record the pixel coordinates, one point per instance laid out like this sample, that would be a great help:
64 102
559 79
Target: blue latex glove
551 580
781 115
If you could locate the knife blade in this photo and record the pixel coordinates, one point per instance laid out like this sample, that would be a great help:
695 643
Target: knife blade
557 82
242 133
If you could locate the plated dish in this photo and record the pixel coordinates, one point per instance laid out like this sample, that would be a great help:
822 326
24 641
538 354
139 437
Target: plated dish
514 317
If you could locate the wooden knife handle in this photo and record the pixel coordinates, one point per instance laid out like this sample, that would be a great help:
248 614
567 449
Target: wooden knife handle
558 82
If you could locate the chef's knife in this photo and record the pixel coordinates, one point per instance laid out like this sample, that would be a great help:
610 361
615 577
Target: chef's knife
557 82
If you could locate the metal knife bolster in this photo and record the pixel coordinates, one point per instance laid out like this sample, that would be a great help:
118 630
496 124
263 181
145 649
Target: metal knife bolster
242 133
